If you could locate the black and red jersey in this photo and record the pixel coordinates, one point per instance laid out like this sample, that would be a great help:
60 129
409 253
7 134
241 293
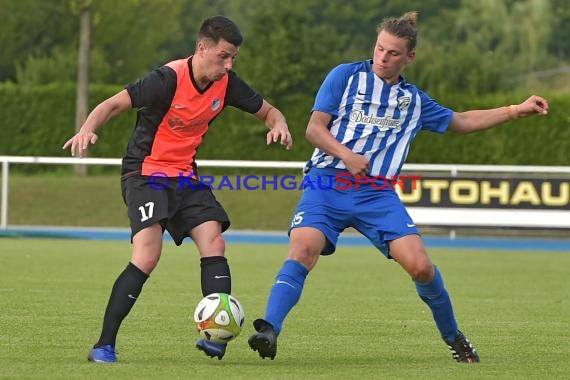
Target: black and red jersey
174 115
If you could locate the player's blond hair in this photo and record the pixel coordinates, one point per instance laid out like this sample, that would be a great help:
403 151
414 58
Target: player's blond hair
404 26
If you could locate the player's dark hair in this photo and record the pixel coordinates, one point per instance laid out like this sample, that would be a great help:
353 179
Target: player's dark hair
404 26
220 27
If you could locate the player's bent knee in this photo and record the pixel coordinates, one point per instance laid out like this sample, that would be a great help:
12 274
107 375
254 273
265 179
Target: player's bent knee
145 264
422 273
304 255
218 244
215 246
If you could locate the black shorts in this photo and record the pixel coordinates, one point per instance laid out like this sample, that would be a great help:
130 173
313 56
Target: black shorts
178 208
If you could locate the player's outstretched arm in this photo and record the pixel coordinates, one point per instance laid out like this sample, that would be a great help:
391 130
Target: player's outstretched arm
101 114
275 121
478 120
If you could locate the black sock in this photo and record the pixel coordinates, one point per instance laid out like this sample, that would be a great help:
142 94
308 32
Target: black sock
125 292
216 277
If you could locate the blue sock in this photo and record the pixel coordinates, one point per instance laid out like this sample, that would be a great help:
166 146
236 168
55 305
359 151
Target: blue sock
437 298
285 293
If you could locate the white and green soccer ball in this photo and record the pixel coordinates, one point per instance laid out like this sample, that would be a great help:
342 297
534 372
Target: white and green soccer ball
219 317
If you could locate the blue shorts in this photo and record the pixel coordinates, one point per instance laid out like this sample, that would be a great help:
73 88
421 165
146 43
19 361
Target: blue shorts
331 204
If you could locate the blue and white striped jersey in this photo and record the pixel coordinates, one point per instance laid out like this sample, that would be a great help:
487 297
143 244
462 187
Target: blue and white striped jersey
374 118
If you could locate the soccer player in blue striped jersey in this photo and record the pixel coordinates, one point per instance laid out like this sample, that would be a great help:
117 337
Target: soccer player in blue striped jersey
363 121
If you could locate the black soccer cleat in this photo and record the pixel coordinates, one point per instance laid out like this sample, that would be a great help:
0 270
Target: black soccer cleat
462 350
265 340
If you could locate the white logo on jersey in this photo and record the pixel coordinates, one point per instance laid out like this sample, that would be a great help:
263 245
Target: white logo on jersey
384 123
404 102
215 104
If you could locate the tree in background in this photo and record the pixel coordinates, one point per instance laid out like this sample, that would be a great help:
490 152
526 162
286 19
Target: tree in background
300 41
32 29
470 47
83 10
559 42
484 47
289 48
127 37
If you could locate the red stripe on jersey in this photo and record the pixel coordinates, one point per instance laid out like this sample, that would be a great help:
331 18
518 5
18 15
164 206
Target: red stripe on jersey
182 129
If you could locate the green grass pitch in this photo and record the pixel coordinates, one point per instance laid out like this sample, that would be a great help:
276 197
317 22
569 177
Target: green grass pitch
359 317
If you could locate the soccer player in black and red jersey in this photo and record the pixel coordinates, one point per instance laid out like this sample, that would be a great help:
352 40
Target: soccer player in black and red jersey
176 104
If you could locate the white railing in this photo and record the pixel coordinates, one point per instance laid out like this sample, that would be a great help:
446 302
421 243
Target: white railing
454 216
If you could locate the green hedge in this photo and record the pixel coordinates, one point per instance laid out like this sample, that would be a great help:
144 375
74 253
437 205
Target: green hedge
37 120
529 141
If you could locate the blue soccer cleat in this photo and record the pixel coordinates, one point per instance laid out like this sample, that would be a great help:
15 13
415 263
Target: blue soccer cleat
212 349
103 354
